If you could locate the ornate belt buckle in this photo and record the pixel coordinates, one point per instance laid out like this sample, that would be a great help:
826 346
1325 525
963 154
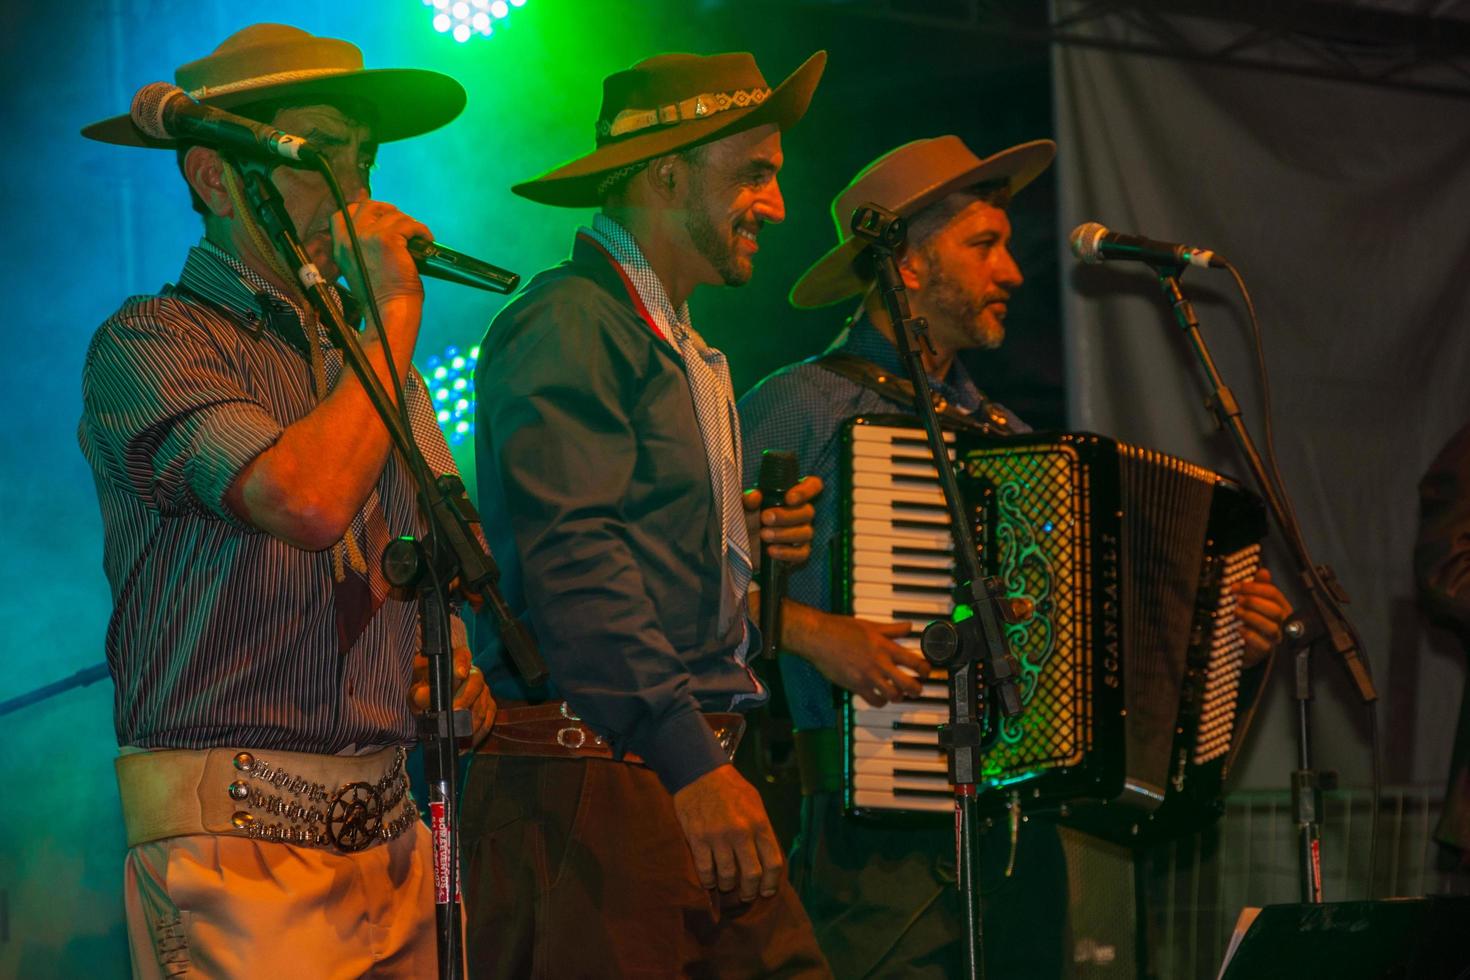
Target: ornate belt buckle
355 817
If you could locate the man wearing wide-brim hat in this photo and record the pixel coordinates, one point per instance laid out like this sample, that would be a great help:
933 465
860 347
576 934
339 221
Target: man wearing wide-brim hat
607 833
882 898
262 669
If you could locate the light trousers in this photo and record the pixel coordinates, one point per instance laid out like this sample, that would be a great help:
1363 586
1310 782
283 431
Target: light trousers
220 906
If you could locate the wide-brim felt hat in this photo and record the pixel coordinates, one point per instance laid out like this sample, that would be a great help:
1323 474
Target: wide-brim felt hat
671 102
906 180
272 62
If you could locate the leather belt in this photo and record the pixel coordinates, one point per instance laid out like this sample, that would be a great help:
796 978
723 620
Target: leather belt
340 803
551 730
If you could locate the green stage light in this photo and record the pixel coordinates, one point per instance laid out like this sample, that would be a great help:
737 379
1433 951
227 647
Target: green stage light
464 19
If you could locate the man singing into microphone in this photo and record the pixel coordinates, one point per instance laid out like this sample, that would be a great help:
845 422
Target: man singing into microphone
878 896
607 834
263 670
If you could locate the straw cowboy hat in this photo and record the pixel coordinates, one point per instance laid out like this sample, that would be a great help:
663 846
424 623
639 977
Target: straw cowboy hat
907 180
670 102
267 62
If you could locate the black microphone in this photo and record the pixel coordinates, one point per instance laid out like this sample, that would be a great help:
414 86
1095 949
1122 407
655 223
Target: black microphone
778 474
1094 243
165 111
438 262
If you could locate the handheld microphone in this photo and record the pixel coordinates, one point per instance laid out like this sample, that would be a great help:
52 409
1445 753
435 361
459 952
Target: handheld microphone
778 474
438 262
166 111
1094 243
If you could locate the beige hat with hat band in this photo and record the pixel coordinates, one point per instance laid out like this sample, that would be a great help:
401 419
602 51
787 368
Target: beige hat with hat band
906 180
271 62
671 102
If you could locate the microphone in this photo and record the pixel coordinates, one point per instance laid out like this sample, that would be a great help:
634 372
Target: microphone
778 474
165 111
439 262
1094 243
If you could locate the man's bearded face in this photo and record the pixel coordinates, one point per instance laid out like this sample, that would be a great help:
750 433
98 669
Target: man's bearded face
968 277
732 193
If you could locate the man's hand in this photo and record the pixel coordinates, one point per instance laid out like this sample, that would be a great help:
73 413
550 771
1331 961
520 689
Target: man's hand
785 533
1263 612
729 834
856 654
470 692
383 231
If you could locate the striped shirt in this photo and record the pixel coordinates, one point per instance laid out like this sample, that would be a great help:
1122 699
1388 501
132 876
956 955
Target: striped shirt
221 634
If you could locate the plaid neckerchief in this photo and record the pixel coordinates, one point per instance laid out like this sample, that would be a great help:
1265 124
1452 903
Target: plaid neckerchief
714 406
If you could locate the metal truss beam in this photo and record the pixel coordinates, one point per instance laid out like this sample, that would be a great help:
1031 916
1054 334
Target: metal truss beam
1339 41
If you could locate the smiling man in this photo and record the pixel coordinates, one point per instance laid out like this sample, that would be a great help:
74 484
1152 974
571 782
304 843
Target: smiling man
262 667
606 832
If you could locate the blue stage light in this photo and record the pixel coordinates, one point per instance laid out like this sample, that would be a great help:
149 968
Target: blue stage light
453 377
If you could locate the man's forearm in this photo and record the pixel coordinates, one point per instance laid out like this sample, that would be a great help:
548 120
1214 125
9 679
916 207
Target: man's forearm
802 627
306 488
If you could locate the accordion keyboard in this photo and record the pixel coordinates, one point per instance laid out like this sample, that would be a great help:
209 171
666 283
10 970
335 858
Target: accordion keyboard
902 571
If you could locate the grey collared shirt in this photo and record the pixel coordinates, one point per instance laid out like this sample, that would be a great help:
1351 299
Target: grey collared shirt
220 633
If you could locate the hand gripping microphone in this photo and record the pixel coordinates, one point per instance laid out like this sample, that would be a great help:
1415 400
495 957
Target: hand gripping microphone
778 474
1093 243
165 111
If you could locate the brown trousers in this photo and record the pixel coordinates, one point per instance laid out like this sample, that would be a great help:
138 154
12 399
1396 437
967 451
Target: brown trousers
579 868
217 906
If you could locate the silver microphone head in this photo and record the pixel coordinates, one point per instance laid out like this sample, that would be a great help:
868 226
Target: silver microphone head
148 107
1086 239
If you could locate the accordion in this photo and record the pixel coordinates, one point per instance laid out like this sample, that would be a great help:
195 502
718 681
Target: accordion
1130 665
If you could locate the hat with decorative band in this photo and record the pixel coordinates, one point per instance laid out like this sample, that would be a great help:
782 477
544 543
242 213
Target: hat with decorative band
273 62
668 103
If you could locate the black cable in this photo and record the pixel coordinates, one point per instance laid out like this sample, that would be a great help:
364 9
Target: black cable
1293 526
324 167
1375 763
451 803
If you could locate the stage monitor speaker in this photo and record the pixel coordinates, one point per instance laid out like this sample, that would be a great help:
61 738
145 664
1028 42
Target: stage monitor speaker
1399 939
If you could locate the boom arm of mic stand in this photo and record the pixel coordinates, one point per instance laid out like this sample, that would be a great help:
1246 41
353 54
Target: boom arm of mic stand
1327 620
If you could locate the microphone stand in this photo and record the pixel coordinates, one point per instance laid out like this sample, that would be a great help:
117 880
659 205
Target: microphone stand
1324 623
972 647
450 551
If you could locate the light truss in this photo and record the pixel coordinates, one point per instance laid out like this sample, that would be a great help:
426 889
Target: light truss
1331 39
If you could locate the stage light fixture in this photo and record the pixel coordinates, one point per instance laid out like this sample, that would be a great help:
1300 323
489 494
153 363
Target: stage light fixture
452 372
463 19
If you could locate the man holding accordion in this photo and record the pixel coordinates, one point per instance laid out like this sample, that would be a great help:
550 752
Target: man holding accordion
877 894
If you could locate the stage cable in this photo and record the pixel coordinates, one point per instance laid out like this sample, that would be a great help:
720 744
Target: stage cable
1375 762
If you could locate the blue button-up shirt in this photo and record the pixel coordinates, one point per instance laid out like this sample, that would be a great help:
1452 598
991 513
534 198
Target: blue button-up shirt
801 408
